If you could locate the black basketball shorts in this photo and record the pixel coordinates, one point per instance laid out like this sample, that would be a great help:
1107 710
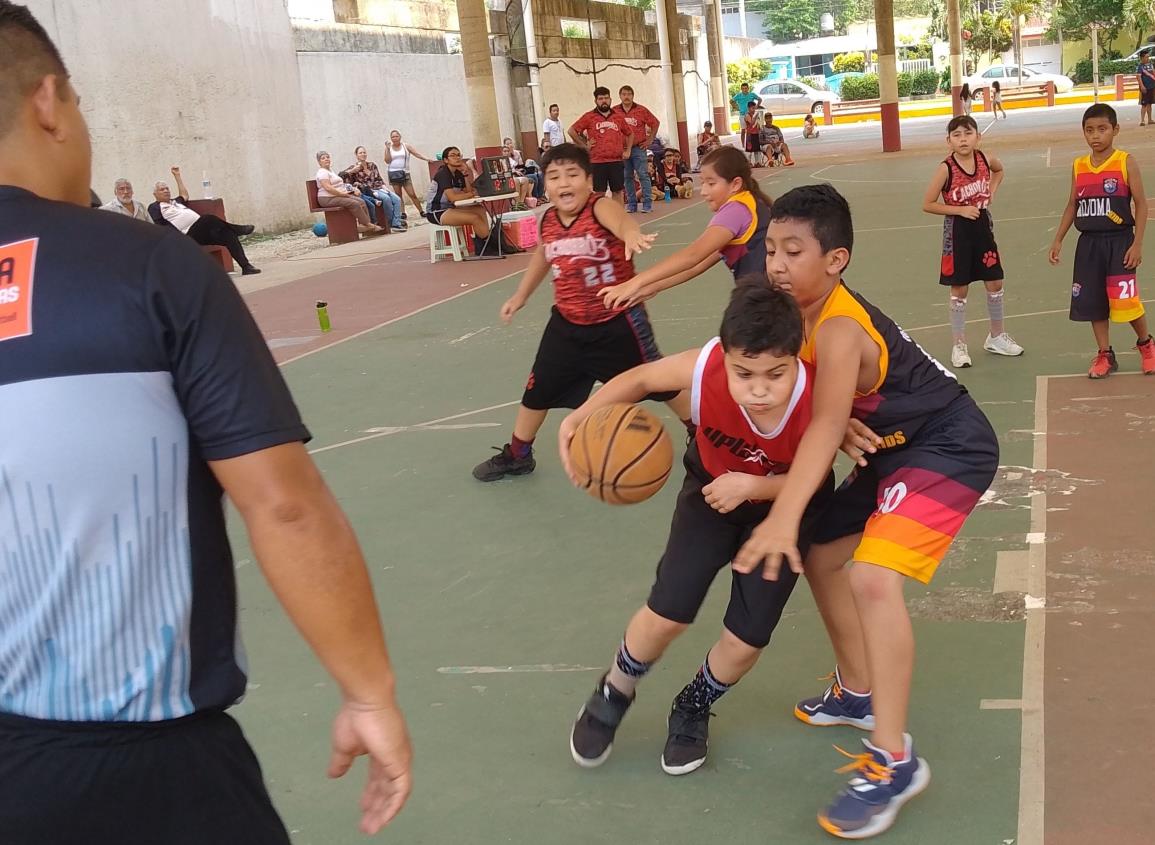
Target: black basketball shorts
189 781
969 251
1104 289
571 357
609 174
703 541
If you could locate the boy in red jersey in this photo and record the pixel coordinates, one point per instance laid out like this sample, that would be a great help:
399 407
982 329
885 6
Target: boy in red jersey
751 403
961 190
609 140
1103 186
928 456
589 243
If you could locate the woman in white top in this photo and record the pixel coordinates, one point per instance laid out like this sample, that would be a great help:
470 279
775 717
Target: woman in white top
526 183
397 158
332 192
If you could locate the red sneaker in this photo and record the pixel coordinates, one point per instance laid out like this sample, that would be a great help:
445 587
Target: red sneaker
1104 364
1147 356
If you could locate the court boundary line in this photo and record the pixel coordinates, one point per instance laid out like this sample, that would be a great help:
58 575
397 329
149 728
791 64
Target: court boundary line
1032 746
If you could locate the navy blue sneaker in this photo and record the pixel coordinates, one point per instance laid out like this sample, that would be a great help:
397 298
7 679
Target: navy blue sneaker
837 706
869 804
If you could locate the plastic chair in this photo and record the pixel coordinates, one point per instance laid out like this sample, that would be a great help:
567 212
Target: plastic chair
446 240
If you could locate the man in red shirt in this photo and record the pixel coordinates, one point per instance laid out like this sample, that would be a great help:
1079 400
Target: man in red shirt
644 125
608 138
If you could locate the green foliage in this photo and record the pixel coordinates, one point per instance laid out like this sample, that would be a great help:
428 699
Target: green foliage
572 30
791 20
746 70
1073 17
990 34
921 50
818 82
849 63
944 80
1084 72
924 82
905 79
860 87
640 4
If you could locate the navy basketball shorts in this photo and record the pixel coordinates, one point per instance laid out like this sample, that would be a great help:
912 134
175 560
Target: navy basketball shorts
571 357
609 174
969 251
189 781
1103 289
909 503
703 541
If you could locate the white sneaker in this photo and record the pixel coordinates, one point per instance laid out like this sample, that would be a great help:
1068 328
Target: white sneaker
959 357
1002 344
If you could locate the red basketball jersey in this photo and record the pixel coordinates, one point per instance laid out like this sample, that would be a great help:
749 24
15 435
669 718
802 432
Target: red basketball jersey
586 257
964 188
727 439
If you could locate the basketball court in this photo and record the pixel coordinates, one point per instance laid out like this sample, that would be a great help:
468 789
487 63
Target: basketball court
504 602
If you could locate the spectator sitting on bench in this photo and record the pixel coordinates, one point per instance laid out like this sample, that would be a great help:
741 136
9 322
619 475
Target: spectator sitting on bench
125 203
366 177
333 193
707 139
206 230
774 144
674 175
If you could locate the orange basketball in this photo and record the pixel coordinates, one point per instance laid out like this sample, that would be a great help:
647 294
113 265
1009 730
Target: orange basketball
622 454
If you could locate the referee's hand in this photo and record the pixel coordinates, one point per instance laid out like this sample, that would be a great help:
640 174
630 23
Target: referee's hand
380 733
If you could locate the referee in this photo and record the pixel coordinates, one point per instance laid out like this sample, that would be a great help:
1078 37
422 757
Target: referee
135 390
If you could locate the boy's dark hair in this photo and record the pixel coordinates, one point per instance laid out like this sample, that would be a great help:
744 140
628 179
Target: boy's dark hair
1144 54
1101 110
761 318
27 55
962 121
567 154
553 106
826 210
745 85
601 91
626 88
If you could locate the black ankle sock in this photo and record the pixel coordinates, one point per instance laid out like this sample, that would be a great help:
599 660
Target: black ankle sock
703 691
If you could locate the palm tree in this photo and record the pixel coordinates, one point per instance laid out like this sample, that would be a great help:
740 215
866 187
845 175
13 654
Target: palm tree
1139 15
1017 10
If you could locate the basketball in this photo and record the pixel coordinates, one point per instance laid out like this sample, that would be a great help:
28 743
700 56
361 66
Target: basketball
622 454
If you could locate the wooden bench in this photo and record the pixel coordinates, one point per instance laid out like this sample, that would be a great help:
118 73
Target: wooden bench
215 206
341 224
849 107
1124 83
1024 92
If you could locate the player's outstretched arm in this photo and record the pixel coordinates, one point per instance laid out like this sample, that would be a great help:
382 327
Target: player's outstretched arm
1066 221
839 352
674 372
702 254
531 280
932 202
613 216
311 558
1134 255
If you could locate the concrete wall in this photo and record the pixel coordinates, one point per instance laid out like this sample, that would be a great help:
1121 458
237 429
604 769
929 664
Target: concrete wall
210 85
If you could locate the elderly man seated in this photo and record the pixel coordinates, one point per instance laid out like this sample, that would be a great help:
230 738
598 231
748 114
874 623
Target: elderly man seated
124 202
206 230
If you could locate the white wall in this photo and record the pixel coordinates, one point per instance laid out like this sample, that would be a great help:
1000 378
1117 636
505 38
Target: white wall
358 98
210 85
574 93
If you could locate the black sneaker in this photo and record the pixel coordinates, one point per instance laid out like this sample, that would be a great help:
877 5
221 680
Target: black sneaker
592 737
688 739
503 464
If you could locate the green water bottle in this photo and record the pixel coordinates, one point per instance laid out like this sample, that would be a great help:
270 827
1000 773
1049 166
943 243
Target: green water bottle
323 315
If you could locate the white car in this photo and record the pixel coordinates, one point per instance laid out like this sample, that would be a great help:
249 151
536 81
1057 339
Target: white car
789 96
1008 77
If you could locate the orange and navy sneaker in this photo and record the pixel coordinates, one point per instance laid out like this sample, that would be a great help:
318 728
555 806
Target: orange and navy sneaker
870 802
837 706
1147 356
1104 364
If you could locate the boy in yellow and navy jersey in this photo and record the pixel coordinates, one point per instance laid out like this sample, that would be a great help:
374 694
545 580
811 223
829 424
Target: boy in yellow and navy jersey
1104 187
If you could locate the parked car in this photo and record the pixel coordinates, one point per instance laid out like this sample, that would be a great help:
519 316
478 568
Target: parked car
789 96
1008 77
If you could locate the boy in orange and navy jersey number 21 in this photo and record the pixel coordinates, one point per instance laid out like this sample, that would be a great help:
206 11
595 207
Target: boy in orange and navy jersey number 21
751 403
926 458
1104 185
588 242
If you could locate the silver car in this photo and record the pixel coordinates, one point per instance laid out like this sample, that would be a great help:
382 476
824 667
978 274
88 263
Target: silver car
789 96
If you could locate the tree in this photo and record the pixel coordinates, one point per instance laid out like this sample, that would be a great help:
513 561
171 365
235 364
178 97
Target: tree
849 63
1016 10
1139 15
1073 16
792 20
746 70
990 34
640 4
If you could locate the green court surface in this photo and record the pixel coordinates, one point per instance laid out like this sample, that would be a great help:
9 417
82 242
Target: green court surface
504 602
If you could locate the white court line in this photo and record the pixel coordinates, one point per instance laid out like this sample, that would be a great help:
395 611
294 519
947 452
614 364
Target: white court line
504 670
389 431
1032 749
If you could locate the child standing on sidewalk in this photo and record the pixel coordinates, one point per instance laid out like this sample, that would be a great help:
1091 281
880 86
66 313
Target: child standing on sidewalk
961 190
1104 187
